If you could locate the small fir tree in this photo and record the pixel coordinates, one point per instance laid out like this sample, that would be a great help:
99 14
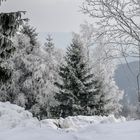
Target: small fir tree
49 45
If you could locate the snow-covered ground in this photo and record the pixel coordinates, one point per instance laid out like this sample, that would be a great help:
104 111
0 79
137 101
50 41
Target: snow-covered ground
18 124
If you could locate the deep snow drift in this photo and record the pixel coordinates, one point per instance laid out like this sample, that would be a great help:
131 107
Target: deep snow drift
18 124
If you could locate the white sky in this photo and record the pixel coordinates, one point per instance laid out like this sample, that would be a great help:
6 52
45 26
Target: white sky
49 15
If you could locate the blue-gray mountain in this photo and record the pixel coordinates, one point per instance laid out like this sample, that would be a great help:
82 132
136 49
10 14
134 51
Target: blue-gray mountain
126 80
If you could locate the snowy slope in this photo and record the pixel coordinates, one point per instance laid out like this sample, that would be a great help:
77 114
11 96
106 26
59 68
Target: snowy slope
18 124
117 131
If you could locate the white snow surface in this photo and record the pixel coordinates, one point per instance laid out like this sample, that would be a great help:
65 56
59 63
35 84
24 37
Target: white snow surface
12 116
18 124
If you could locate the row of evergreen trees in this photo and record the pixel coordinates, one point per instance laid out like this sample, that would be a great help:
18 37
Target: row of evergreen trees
49 88
40 80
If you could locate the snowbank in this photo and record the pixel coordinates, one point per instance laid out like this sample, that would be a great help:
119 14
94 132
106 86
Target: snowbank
12 116
24 127
77 122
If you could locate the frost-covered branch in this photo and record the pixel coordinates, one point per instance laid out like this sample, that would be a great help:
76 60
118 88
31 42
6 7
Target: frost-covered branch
118 23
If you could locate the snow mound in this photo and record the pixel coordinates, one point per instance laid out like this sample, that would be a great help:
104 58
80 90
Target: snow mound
52 123
77 122
12 116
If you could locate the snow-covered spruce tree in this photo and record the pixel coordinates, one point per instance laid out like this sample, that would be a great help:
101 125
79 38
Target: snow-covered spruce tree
9 24
53 57
46 73
109 96
33 77
49 45
50 58
14 90
27 78
21 72
101 56
77 85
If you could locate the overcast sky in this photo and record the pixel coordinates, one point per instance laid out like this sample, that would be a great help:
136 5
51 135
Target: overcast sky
49 15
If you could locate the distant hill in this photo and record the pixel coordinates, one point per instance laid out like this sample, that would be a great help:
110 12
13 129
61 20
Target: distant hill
125 78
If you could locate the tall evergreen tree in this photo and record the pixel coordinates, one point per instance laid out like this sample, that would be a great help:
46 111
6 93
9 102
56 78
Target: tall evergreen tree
77 84
108 94
9 24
